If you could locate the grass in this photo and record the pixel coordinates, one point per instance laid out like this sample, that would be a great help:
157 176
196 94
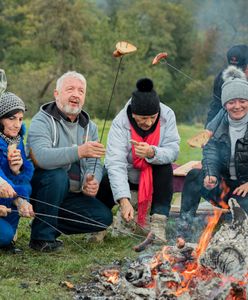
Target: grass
38 276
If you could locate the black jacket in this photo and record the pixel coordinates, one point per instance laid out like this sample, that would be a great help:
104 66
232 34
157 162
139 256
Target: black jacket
217 152
215 104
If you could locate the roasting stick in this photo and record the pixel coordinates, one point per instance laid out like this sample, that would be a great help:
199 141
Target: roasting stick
122 48
162 58
96 223
70 238
67 210
137 236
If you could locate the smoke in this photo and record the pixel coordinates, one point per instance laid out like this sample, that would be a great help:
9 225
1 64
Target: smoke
228 18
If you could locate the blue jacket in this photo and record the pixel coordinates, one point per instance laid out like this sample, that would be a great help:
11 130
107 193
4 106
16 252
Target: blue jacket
21 182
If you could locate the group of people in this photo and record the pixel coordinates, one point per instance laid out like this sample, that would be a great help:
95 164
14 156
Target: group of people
63 185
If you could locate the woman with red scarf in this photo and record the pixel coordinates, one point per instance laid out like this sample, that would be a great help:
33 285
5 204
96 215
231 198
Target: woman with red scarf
143 141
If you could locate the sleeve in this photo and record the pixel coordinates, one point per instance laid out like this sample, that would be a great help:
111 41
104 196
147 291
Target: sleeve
215 105
168 150
211 159
116 161
27 169
40 145
21 182
93 165
215 123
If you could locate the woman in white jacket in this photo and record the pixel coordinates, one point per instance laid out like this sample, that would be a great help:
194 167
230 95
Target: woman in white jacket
142 143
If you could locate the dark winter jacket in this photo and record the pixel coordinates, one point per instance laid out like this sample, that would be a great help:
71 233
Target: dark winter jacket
215 104
217 152
21 182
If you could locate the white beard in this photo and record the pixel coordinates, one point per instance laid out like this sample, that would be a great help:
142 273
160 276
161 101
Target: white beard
71 110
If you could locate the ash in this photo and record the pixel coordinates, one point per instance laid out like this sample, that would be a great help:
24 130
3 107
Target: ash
176 273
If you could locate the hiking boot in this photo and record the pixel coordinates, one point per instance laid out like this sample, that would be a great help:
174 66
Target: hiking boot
11 248
46 246
15 236
158 224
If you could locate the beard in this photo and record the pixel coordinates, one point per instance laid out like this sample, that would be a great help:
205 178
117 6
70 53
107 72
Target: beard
71 110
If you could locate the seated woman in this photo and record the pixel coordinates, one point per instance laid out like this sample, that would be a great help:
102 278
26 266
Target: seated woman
15 170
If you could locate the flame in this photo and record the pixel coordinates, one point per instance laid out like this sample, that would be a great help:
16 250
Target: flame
192 271
225 190
112 275
207 233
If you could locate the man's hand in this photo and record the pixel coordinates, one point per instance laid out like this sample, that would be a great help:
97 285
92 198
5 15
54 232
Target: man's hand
127 210
242 190
15 161
4 211
91 149
90 186
143 150
210 182
25 209
6 190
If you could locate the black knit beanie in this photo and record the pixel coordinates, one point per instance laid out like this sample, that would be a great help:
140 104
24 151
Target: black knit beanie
145 101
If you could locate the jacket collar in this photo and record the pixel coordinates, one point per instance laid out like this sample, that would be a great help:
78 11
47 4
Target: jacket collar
51 109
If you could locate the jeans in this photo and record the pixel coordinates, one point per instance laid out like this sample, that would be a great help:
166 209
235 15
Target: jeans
52 188
191 194
162 189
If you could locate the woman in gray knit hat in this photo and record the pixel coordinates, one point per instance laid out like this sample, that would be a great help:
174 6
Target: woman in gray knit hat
15 170
225 156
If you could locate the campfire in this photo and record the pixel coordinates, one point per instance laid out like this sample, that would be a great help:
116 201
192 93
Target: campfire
215 268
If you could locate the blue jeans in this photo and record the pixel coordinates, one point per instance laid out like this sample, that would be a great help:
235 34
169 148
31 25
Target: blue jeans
52 188
8 226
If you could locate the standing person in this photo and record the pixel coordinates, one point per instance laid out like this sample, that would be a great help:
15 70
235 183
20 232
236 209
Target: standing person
142 143
15 170
236 56
63 144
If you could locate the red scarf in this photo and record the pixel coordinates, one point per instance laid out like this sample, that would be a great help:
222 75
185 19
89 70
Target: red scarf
146 180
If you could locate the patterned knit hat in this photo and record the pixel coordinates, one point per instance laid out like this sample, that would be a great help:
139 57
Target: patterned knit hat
145 100
10 102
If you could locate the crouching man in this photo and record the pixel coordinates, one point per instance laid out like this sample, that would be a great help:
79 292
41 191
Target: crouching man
63 144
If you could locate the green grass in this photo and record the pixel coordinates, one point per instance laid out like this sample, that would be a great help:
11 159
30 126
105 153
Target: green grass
38 276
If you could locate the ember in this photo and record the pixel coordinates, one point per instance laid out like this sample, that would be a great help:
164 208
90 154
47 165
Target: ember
216 268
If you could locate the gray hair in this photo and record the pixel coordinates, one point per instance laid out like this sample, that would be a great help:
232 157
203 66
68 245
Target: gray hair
69 74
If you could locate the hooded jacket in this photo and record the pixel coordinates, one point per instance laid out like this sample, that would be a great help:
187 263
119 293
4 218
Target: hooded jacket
50 142
118 160
21 182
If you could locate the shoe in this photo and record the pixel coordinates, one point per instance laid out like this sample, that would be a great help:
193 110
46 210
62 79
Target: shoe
46 246
11 248
15 236
158 224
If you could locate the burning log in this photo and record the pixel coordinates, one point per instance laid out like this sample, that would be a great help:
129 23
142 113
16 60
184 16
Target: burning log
227 251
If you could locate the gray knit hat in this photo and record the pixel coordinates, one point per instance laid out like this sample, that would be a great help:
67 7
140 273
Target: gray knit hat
10 102
235 85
